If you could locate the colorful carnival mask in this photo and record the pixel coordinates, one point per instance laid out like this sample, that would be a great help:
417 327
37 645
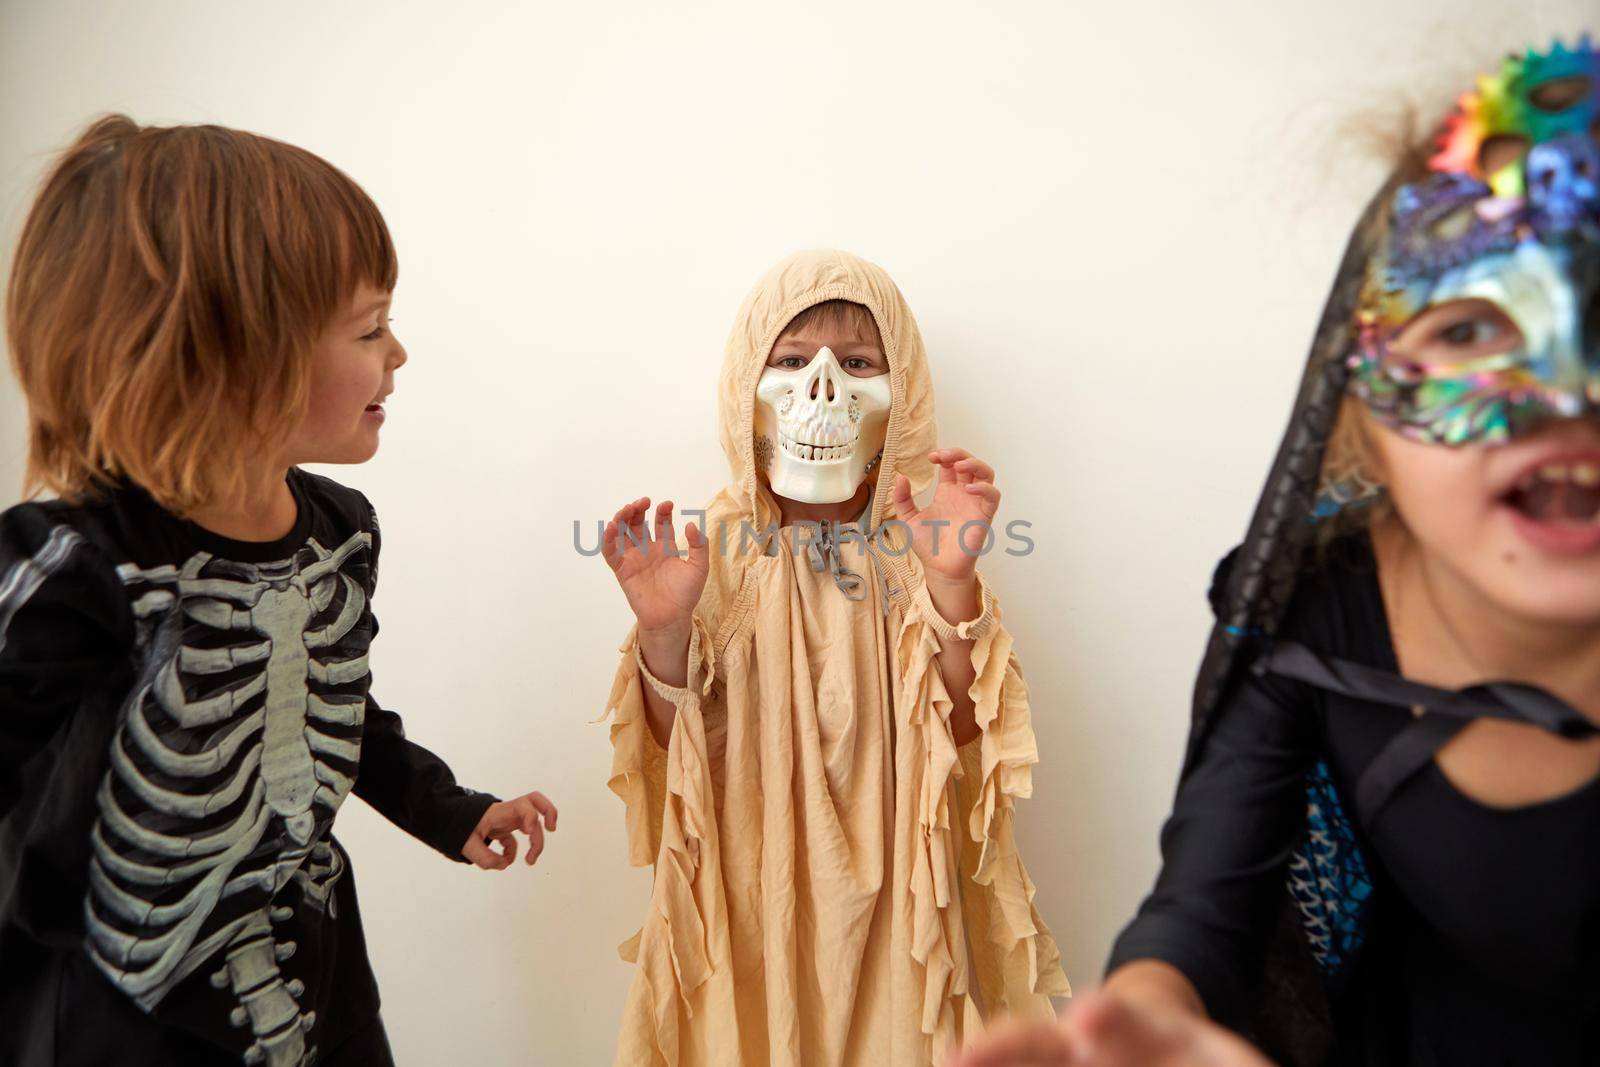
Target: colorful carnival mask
819 429
1510 218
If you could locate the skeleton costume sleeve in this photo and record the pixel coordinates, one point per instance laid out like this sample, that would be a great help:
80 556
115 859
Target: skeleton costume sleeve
406 783
413 788
63 622
181 716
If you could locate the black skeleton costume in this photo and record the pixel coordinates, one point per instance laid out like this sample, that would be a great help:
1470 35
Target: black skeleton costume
181 716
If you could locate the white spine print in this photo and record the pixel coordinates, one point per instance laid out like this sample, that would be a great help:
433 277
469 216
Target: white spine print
231 756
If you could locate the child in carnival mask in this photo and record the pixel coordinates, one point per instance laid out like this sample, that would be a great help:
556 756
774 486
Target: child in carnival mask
820 733
1397 713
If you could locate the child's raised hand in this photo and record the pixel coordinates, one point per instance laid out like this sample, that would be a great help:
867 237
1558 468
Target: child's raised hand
501 822
662 586
966 494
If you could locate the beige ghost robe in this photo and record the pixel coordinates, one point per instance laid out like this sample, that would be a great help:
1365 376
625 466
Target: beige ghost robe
835 883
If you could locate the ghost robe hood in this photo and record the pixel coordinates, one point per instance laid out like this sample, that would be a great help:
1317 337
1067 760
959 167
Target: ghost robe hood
798 283
956 884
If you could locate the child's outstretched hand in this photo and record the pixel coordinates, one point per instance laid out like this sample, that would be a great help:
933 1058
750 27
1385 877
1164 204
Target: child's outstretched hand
500 824
662 586
966 493
1100 1030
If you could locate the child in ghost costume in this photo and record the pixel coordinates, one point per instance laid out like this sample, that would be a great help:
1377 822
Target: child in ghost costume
836 873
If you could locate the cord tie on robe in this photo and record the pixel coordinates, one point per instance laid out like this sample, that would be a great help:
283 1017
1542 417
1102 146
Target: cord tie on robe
823 551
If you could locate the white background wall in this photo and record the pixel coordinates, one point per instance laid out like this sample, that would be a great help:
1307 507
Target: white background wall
1116 224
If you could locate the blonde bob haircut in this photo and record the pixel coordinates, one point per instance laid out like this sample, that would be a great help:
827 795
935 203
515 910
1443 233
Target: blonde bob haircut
165 298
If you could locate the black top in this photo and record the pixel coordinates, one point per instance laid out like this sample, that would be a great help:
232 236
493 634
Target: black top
180 717
1482 932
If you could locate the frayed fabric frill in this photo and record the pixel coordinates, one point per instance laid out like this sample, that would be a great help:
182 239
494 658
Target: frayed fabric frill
835 881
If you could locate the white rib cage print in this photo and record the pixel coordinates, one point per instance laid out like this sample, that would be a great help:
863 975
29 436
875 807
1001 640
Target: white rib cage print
232 754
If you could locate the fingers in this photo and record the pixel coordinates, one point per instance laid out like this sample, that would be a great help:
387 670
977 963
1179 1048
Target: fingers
624 531
973 469
960 466
631 529
541 803
1031 1043
1095 1015
699 547
533 814
535 842
609 549
988 493
903 504
478 851
639 536
474 850
666 537
612 545
1113 1031
526 815
508 849
1110 1030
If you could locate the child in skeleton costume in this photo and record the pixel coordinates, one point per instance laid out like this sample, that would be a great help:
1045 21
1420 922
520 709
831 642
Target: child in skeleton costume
836 871
1396 715
184 691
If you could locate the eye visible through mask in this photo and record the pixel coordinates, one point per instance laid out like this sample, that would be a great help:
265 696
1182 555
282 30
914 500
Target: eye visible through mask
1477 322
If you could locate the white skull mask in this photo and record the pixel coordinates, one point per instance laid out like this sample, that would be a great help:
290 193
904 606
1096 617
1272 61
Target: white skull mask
819 429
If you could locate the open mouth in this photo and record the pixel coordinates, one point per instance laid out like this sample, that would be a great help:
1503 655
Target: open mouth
1566 493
